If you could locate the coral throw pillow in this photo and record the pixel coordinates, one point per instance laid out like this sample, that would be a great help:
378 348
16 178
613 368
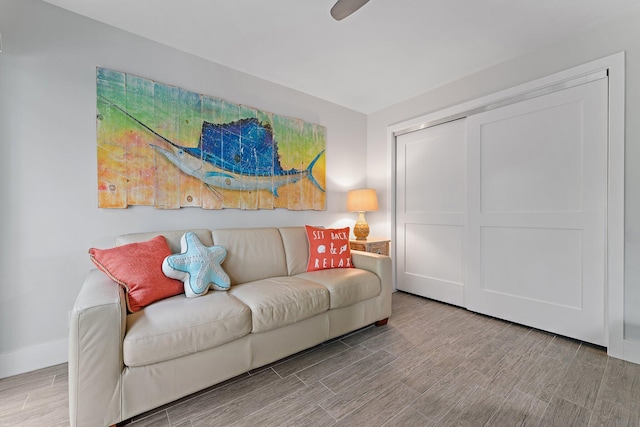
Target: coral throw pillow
328 248
137 267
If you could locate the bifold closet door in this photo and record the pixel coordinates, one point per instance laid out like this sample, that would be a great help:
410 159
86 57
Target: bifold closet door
430 212
536 212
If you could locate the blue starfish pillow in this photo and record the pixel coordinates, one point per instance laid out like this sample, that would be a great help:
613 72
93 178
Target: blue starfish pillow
198 266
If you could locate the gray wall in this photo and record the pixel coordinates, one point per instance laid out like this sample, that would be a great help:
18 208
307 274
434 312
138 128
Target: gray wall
48 173
621 34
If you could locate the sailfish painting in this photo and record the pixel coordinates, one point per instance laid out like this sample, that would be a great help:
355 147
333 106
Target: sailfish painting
168 147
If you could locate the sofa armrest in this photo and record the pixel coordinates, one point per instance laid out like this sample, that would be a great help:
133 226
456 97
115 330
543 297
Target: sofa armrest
381 266
96 333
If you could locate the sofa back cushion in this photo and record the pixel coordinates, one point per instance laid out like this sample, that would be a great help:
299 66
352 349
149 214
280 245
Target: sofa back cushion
296 248
252 253
172 237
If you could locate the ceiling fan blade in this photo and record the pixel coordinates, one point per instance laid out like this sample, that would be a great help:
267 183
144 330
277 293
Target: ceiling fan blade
344 8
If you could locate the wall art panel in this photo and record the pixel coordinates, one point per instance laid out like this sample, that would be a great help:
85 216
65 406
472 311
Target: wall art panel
164 146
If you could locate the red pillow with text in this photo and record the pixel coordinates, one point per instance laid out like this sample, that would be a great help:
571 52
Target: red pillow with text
328 248
137 267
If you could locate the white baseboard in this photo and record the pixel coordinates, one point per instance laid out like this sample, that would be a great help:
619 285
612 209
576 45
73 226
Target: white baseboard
631 351
32 358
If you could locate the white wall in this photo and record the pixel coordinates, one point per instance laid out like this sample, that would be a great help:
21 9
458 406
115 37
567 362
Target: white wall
621 34
48 173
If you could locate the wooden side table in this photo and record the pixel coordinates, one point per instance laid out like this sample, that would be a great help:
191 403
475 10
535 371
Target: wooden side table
376 246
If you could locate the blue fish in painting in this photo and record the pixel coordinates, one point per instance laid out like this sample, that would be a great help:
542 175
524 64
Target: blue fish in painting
240 155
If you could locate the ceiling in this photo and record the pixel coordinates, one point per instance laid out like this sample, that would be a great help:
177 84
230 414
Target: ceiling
387 52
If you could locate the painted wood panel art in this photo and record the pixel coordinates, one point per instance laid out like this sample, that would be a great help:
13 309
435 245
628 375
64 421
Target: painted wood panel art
164 146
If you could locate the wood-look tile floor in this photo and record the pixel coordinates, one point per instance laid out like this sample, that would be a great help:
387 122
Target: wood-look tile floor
432 365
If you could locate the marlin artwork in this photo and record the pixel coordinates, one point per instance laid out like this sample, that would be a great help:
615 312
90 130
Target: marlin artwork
240 155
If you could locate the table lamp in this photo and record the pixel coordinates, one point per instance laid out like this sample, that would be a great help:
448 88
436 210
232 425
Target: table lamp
361 201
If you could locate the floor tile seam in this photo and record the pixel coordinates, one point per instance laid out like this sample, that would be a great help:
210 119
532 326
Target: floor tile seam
405 323
496 363
388 332
236 422
592 412
333 393
338 419
566 372
635 409
517 388
24 404
591 363
544 413
523 373
489 392
437 421
437 381
280 376
350 365
323 385
190 399
301 380
408 406
379 392
399 411
325 409
570 361
422 361
415 343
600 391
315 363
345 343
137 420
413 321
28 385
334 372
210 410
216 406
555 390
295 355
11 413
368 338
506 399
363 379
179 420
280 400
573 403
357 331
386 423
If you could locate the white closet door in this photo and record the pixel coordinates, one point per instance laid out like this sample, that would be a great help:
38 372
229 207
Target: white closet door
536 212
430 212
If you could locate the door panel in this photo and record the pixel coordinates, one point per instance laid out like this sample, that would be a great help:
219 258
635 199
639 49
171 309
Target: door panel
532 162
537 174
431 199
504 212
508 255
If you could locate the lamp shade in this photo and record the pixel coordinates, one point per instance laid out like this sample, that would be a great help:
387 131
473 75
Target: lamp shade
362 200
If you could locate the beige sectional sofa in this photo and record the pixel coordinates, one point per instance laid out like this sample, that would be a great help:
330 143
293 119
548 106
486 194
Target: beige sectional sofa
121 365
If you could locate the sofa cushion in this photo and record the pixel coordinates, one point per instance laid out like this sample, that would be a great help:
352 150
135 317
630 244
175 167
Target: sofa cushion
346 286
296 248
172 237
280 301
179 326
252 253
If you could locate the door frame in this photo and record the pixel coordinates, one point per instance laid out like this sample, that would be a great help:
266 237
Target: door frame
614 65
